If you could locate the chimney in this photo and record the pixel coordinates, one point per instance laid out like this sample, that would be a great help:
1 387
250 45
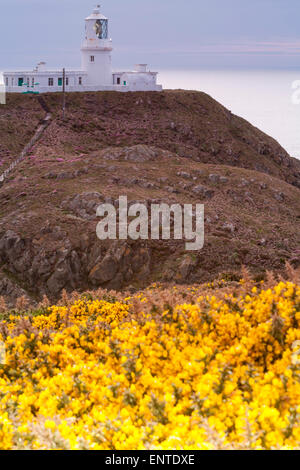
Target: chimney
41 67
140 68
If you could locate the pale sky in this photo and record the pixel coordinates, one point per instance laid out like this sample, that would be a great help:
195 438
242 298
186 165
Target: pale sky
164 33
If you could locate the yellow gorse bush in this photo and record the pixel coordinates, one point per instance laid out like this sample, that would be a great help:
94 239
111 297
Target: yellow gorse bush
214 374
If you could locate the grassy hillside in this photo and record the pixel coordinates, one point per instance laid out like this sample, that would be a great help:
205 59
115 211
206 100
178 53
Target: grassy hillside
188 123
18 121
101 151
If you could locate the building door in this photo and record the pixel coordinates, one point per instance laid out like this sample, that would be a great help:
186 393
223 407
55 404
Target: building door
20 81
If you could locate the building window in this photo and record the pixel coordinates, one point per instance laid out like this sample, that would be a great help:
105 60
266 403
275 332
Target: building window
59 81
118 81
6 81
50 81
32 82
12 82
28 81
80 80
20 81
67 81
92 58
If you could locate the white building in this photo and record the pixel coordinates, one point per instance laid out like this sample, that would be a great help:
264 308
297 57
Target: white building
96 68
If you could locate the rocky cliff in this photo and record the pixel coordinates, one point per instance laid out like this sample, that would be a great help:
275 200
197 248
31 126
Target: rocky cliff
171 147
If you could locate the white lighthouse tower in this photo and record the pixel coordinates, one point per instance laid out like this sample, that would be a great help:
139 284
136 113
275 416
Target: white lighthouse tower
96 50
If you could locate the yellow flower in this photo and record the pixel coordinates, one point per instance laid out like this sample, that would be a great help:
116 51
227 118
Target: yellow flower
50 424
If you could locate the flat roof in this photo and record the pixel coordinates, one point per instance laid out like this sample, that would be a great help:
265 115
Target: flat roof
133 71
30 72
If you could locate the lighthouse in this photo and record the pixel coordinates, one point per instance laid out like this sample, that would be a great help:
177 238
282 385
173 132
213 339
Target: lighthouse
96 50
95 74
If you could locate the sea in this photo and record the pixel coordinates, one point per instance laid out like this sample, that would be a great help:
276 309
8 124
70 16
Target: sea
266 98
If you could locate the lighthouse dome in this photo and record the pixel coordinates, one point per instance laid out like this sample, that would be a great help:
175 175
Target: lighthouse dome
96 15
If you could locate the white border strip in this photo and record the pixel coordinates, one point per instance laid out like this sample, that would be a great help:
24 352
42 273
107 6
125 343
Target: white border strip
2 89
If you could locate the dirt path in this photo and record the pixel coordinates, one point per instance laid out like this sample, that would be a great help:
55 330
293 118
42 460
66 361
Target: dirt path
37 135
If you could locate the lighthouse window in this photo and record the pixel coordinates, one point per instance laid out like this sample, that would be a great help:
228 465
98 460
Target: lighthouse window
50 82
92 58
101 29
80 80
